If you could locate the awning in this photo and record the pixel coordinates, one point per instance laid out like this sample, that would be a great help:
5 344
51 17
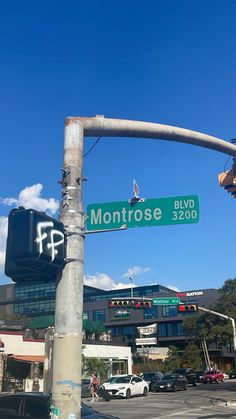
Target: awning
28 358
41 322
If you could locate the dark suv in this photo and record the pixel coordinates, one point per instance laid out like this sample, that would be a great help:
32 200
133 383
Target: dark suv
152 378
188 373
37 406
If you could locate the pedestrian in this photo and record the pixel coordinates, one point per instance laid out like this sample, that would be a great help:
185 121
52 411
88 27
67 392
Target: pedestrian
94 386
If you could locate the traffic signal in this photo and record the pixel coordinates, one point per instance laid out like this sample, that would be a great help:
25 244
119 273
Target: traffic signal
142 304
187 308
137 303
35 245
120 303
227 180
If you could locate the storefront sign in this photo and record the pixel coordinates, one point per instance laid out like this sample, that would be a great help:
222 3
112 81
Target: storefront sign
189 294
147 330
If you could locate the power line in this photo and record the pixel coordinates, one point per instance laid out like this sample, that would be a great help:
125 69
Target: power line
92 147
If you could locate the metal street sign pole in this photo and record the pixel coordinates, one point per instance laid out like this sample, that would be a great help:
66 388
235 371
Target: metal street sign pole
66 390
69 293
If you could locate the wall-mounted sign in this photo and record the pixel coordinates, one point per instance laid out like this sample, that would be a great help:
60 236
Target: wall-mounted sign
147 330
119 312
146 341
189 294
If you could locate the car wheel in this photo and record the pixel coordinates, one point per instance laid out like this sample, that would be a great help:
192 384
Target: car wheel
128 393
151 387
145 391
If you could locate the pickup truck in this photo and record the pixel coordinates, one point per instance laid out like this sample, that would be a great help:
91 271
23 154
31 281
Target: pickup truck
212 376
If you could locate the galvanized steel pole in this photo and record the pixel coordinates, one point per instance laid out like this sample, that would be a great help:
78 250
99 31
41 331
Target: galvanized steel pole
66 391
69 293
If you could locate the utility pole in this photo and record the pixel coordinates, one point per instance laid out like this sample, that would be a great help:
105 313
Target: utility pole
66 389
224 317
67 359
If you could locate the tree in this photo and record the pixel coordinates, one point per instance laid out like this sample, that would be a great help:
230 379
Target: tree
96 365
173 359
191 357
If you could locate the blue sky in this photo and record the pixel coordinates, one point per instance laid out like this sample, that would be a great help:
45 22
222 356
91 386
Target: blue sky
170 62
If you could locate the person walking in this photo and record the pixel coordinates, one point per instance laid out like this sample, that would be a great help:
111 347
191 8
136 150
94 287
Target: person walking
94 386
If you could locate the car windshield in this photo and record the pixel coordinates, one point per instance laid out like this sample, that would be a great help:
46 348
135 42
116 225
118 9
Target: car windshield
181 371
169 377
111 379
125 379
148 375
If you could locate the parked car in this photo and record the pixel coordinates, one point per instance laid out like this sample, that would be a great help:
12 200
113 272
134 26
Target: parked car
188 373
37 405
152 378
232 374
172 382
126 386
199 375
212 376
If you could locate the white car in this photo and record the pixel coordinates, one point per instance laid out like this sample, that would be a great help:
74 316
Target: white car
126 386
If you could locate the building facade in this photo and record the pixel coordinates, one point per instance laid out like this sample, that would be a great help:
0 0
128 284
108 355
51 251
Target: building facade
36 300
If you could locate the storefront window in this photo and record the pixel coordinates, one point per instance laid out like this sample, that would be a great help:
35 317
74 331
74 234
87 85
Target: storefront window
99 315
169 311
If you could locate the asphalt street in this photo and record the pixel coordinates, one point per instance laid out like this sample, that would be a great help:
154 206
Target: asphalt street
203 401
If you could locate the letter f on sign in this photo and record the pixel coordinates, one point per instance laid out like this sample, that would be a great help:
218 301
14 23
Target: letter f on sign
40 235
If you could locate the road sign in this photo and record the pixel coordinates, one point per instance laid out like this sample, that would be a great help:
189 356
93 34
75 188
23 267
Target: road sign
149 212
165 301
146 341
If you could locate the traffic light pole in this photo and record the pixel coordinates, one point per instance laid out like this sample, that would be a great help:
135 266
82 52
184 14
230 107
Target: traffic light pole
67 359
66 390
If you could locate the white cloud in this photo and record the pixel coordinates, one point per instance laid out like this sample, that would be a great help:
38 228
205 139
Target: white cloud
29 197
173 287
135 271
103 281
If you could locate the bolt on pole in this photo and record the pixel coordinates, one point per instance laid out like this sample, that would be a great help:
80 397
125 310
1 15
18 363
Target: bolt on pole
67 357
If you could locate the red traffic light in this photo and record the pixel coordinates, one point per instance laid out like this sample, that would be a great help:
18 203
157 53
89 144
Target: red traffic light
187 308
143 304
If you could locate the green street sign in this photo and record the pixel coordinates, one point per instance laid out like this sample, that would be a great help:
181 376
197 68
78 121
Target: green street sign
149 212
165 301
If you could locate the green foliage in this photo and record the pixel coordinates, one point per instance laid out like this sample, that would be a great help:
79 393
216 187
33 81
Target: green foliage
95 365
187 358
211 327
191 357
150 365
174 358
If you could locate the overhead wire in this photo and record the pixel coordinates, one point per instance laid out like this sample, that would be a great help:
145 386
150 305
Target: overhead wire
92 147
